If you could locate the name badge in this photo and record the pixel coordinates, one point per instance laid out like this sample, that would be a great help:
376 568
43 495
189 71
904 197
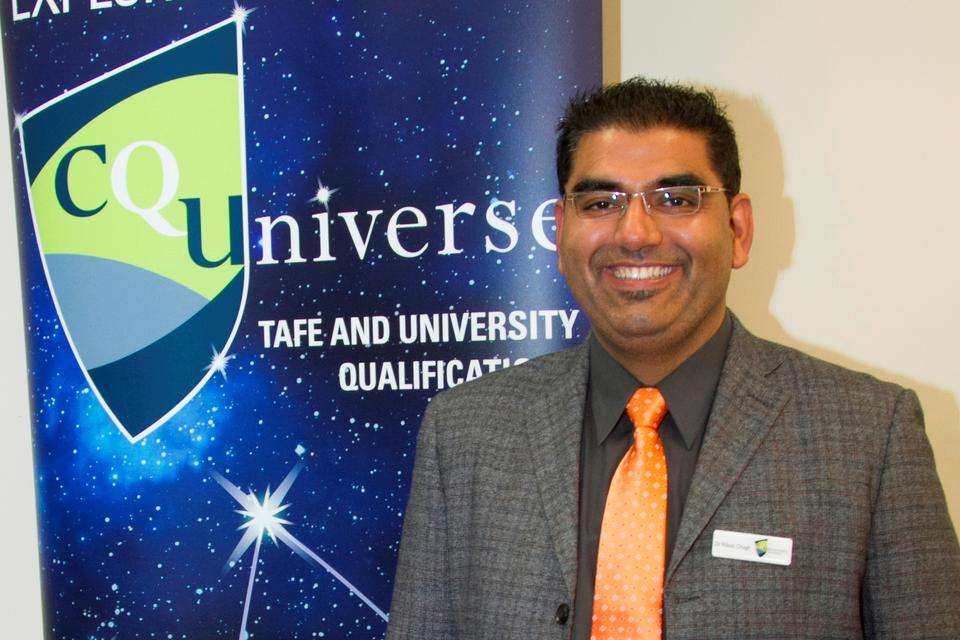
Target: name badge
752 547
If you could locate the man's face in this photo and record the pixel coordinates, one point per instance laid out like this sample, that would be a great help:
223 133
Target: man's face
651 284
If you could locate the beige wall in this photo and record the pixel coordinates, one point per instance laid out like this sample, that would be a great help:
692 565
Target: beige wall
20 578
847 115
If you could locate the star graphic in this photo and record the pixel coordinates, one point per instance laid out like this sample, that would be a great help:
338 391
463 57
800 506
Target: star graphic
240 14
218 363
263 517
323 194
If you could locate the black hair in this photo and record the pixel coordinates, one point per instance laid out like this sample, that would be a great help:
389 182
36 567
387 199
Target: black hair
640 103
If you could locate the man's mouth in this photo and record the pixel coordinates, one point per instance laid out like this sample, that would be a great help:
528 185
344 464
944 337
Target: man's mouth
641 273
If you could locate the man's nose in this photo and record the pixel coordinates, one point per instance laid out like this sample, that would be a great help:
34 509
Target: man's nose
637 228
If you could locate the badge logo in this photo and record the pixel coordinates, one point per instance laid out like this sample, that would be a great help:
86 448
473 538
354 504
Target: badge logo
137 189
761 547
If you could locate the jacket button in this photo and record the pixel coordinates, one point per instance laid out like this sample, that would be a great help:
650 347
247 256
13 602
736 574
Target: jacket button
563 614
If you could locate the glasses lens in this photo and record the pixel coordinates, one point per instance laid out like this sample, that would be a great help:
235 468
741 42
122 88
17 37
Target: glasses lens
674 201
596 204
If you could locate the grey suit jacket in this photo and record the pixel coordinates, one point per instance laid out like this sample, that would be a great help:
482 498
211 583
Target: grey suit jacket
795 447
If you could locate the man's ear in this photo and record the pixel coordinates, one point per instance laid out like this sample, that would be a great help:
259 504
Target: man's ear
741 224
558 218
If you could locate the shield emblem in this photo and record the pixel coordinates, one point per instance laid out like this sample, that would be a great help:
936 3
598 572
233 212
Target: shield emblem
761 547
137 188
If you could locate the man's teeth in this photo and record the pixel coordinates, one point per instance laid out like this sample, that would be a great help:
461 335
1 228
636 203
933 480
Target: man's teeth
640 273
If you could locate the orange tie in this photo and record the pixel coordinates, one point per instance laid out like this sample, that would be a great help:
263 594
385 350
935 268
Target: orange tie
628 592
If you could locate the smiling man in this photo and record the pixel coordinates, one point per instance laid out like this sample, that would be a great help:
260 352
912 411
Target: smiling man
674 476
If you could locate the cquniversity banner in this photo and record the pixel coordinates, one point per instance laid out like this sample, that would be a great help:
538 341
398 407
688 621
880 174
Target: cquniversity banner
255 241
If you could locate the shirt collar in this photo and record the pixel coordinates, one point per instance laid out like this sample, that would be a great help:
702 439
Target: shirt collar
688 389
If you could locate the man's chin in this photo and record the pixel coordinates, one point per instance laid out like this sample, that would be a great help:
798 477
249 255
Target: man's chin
636 333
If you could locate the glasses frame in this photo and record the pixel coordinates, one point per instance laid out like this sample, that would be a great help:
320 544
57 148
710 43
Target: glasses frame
622 209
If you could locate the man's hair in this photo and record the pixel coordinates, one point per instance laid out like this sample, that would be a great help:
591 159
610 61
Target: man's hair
639 104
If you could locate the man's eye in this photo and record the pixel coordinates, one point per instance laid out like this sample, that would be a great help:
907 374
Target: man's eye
676 200
598 202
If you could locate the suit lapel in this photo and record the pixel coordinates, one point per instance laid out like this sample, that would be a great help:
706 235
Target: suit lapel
746 405
555 424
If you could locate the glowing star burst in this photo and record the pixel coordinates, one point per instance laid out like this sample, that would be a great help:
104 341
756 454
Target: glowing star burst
240 14
218 363
323 193
263 517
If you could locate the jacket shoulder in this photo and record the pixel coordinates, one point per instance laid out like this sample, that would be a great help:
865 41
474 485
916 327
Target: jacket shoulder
832 385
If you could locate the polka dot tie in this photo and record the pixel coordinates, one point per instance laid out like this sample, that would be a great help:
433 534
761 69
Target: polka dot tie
628 592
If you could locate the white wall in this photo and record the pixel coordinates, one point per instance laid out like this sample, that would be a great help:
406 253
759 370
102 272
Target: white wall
847 114
20 578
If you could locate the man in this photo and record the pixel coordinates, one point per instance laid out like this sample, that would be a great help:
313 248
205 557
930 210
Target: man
674 476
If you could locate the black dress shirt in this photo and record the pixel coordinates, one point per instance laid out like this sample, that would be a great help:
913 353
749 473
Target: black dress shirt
607 434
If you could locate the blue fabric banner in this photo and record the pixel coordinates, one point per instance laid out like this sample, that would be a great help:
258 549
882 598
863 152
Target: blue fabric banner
254 241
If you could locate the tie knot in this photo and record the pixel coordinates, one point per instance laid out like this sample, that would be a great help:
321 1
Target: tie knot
646 408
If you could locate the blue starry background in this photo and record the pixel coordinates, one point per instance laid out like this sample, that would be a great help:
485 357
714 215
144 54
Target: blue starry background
392 104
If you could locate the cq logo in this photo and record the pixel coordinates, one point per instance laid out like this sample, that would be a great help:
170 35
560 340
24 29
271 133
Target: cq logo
170 182
143 242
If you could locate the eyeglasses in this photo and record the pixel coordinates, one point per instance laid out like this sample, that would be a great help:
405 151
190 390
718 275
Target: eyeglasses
666 201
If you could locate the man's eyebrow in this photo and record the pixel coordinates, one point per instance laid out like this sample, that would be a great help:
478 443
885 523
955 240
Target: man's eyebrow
678 180
597 184
672 180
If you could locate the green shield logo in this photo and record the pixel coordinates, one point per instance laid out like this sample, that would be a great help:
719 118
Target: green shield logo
761 547
137 192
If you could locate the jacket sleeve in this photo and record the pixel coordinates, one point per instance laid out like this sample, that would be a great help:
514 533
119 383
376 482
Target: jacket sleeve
420 609
911 586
